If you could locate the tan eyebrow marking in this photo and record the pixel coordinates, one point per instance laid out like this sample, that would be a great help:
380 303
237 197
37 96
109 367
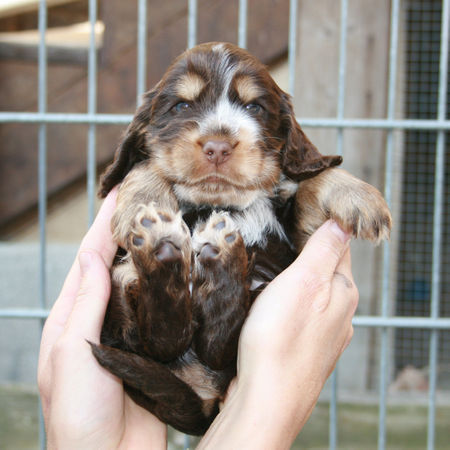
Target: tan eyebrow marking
189 86
247 89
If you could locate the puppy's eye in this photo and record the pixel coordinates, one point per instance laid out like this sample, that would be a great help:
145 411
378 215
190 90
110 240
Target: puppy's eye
182 107
253 108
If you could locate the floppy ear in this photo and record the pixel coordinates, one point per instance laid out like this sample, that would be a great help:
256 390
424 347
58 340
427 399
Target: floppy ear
132 149
300 159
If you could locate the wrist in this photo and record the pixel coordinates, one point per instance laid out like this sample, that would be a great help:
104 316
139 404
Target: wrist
264 412
281 401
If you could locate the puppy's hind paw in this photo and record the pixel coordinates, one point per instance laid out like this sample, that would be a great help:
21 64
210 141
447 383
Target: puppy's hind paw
216 239
159 236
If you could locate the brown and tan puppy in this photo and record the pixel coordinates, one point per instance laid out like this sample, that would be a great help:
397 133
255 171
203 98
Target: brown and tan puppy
220 190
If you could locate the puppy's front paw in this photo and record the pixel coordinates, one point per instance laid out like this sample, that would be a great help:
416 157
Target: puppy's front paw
364 212
356 206
159 236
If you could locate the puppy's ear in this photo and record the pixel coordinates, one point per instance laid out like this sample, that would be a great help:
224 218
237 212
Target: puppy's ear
132 149
300 159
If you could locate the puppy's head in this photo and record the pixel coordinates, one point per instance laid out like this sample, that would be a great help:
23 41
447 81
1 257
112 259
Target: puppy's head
219 129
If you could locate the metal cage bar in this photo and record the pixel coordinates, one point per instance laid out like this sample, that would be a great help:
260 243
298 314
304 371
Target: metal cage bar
191 42
242 25
124 119
333 425
383 370
42 146
92 107
192 23
425 323
141 85
437 223
342 72
292 45
42 178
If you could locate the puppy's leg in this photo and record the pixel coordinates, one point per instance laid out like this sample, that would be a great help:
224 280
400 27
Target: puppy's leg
120 326
154 387
355 205
160 248
220 290
142 186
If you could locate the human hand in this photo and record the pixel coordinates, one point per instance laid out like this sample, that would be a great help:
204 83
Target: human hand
290 343
84 406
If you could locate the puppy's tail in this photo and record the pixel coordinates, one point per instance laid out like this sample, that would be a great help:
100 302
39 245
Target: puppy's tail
153 386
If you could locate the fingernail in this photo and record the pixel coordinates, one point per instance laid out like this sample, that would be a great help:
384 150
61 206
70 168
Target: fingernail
339 232
85 260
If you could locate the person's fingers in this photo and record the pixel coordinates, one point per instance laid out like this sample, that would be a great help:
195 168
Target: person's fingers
85 320
324 249
98 238
344 268
343 299
348 339
314 268
344 291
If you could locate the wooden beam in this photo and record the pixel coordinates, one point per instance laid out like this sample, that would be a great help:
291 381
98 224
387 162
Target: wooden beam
10 8
69 44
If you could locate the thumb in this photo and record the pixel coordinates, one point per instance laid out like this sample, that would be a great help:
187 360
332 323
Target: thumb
324 249
89 308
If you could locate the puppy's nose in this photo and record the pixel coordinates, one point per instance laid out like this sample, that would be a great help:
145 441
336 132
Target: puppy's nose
217 151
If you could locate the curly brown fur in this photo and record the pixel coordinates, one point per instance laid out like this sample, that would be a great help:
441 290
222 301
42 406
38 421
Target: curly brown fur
220 188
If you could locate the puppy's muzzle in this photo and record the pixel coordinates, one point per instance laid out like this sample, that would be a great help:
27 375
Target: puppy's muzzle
217 152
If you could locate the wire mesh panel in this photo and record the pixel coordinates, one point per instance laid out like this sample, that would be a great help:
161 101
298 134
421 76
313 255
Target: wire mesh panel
423 30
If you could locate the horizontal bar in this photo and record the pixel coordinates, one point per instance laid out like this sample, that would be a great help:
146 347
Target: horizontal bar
32 313
65 118
385 124
402 322
120 119
358 321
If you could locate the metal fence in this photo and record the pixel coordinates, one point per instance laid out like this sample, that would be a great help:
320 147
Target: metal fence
438 125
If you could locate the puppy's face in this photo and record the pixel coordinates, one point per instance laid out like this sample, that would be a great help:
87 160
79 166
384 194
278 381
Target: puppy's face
219 129
214 127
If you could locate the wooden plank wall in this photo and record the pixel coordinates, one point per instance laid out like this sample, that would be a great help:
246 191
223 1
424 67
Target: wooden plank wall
366 83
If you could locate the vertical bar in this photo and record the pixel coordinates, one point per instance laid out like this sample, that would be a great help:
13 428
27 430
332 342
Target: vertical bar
437 224
187 442
142 51
395 9
192 23
92 107
342 70
293 8
42 177
333 430
333 425
192 41
242 28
